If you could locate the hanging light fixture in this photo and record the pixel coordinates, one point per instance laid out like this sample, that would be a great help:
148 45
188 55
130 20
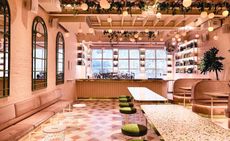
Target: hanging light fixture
136 36
211 15
197 35
210 27
104 4
146 30
139 38
110 30
187 3
158 15
161 39
215 37
125 13
84 6
225 13
80 29
91 30
204 14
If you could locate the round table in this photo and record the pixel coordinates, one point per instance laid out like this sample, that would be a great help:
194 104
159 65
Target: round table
54 132
79 105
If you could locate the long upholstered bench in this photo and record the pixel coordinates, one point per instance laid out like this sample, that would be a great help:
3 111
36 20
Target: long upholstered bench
17 119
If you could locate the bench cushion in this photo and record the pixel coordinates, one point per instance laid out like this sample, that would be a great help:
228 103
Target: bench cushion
15 132
37 118
49 98
7 113
26 106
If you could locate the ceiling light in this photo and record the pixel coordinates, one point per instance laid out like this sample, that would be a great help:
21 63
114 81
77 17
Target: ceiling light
161 39
173 39
109 19
146 30
158 15
215 37
121 39
125 13
104 4
110 30
187 3
91 30
197 35
203 14
210 29
177 35
139 38
84 6
211 15
179 39
225 13
136 36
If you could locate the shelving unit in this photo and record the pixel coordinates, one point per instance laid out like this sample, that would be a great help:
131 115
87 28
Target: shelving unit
81 59
169 66
115 60
186 57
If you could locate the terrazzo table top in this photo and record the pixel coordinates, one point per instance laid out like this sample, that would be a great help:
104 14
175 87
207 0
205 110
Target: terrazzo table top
145 94
176 123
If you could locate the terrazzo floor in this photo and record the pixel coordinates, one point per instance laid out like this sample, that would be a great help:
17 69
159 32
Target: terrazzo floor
100 120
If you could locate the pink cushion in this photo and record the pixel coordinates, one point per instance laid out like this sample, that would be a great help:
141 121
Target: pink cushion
58 106
15 132
6 113
37 118
49 97
26 106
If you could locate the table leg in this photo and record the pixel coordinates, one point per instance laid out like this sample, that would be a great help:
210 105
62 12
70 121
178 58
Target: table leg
211 108
184 98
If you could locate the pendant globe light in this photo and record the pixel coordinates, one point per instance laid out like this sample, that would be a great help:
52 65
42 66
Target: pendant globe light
84 6
187 3
204 14
104 4
225 13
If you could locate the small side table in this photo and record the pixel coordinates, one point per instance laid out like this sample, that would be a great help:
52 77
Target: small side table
79 105
54 132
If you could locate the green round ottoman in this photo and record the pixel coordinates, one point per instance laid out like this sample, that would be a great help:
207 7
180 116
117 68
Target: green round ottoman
124 100
128 110
125 96
134 130
126 104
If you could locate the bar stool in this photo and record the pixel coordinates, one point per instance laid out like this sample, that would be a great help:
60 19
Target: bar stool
127 111
126 104
124 99
134 130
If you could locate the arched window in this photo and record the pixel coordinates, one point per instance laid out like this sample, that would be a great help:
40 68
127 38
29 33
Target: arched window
60 58
39 52
4 48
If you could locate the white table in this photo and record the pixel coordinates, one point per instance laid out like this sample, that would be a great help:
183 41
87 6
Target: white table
54 132
79 105
186 90
216 95
144 94
177 123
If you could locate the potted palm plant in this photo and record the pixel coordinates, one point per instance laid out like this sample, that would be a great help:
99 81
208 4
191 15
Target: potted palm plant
211 62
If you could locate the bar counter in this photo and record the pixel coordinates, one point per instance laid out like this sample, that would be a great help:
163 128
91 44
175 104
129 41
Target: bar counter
111 88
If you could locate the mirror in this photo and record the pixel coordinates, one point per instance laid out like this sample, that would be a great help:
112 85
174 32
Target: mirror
60 53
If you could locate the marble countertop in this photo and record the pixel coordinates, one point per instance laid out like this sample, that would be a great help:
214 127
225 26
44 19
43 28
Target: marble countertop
176 123
145 94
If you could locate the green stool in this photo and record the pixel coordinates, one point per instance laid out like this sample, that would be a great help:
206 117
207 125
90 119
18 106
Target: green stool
126 104
134 130
125 96
127 111
124 100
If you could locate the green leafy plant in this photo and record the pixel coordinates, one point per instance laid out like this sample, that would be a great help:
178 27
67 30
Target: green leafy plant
211 62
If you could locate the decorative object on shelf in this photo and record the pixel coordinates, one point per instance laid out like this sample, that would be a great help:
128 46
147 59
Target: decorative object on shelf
143 6
81 55
211 62
114 36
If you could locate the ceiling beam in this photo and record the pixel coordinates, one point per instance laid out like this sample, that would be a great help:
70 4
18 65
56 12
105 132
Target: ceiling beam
99 20
122 21
168 20
134 20
156 22
145 21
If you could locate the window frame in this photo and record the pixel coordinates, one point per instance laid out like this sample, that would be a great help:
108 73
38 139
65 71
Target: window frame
58 38
36 21
6 82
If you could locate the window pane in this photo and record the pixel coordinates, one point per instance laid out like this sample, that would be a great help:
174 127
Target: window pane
136 72
161 54
160 73
108 53
123 53
134 54
150 64
150 53
134 64
161 64
150 73
96 64
107 64
123 63
96 53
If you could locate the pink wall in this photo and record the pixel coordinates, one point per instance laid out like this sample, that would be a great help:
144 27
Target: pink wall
20 83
